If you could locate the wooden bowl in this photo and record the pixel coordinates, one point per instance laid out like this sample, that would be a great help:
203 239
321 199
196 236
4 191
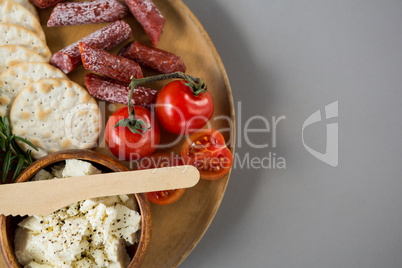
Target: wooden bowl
106 164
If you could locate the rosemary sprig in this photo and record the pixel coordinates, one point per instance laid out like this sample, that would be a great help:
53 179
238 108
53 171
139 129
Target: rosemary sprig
13 158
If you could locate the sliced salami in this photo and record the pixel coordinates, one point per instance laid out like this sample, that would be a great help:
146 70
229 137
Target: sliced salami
110 65
149 16
97 11
45 3
105 38
154 58
111 90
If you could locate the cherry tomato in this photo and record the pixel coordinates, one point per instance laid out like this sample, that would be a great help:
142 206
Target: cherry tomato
179 111
207 151
165 197
162 160
125 144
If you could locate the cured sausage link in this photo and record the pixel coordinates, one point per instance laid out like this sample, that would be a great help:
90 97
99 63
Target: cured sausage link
105 38
96 11
45 3
113 66
154 58
114 91
149 16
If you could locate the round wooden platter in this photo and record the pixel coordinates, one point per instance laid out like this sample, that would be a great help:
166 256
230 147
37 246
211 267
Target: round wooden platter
178 227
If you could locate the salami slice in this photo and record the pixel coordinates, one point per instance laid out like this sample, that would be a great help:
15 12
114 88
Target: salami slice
111 90
45 3
110 65
154 58
105 38
149 16
97 11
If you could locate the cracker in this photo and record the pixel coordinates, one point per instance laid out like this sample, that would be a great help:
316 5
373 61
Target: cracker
28 5
12 34
17 77
56 114
11 55
14 13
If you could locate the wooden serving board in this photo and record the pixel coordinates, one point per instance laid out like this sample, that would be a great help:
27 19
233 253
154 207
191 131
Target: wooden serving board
178 227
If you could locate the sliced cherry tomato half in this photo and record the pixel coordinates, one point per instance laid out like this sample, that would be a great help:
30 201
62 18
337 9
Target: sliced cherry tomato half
165 197
159 160
207 151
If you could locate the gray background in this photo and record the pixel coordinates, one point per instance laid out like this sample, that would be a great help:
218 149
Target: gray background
291 58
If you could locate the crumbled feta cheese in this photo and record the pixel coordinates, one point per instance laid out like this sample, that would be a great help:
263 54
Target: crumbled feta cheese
99 257
116 252
25 251
57 170
85 263
87 205
108 200
124 222
34 224
42 175
33 264
76 168
130 202
124 198
91 233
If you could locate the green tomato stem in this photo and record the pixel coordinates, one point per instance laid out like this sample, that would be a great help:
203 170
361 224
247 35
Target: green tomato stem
196 84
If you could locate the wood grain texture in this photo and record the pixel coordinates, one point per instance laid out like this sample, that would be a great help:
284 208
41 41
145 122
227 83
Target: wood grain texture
178 227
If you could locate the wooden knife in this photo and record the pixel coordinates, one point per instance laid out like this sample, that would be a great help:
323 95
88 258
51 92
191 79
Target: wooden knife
44 197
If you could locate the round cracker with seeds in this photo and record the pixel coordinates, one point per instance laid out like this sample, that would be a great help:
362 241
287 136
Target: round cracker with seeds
12 34
28 5
19 76
14 13
11 55
55 114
